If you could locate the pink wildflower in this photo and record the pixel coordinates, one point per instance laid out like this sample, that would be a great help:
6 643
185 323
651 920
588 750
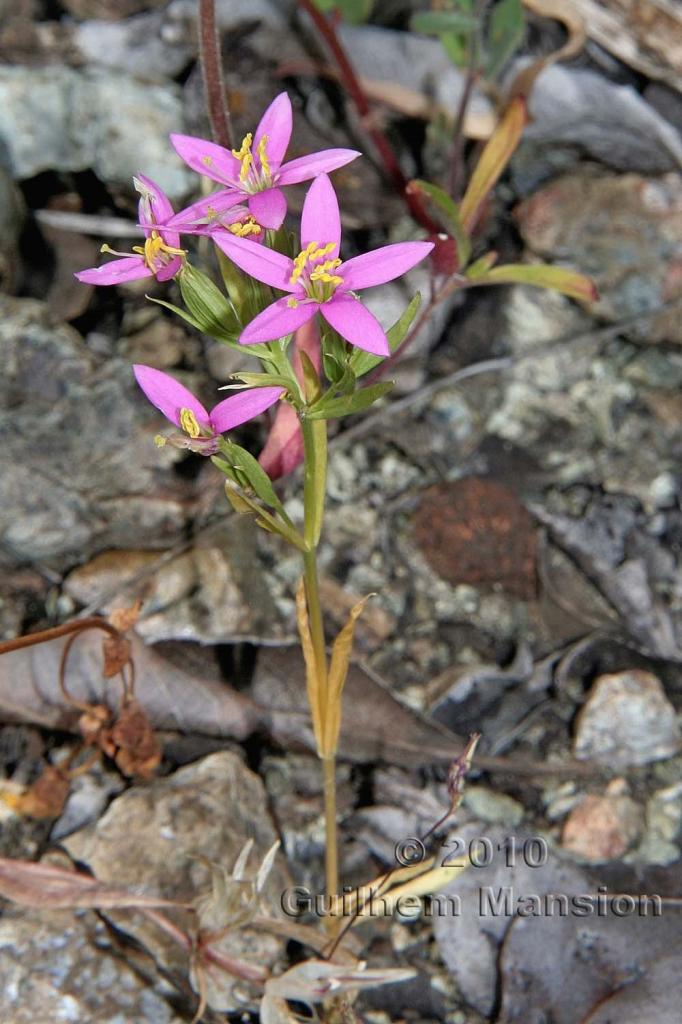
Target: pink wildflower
317 280
160 256
255 171
183 409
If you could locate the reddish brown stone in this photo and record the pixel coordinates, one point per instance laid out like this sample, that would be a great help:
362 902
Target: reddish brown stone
477 531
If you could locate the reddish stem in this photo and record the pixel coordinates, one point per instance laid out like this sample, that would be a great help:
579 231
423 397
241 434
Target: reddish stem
354 89
212 74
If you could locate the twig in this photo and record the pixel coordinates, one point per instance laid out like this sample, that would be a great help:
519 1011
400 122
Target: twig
354 89
457 151
88 223
212 74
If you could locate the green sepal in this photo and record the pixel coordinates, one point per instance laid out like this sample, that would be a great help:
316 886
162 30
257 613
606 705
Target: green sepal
362 362
334 408
262 380
245 470
311 379
243 504
207 304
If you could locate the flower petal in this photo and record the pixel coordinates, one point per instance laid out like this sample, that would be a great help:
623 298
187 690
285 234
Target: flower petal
269 208
206 214
276 123
169 395
207 158
320 220
277 320
306 167
242 407
382 264
154 206
130 268
170 269
265 265
356 324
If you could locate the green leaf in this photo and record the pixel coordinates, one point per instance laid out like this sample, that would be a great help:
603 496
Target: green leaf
357 402
212 312
481 266
362 362
435 22
557 279
254 473
505 34
352 11
453 221
456 47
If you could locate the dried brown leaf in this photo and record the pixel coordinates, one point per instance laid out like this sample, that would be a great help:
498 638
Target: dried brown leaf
116 651
45 798
49 887
138 751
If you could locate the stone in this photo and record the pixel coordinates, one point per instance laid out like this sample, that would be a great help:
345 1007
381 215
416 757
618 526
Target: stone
496 808
476 531
612 123
58 118
627 720
622 230
78 467
159 838
602 828
61 966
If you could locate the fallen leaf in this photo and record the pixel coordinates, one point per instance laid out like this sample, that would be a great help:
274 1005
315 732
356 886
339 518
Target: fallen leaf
51 888
45 798
138 752
171 698
573 22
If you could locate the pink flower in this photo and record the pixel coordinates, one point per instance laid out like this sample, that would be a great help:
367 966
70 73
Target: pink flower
221 211
183 409
317 280
160 256
255 171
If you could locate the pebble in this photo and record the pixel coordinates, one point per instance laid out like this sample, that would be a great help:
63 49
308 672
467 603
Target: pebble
627 720
602 828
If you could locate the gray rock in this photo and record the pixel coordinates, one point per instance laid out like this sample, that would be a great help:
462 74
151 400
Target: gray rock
156 45
151 839
611 122
78 467
61 966
59 118
496 808
627 720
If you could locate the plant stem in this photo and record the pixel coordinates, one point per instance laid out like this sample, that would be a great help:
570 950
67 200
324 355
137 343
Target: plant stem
212 74
314 487
331 857
354 89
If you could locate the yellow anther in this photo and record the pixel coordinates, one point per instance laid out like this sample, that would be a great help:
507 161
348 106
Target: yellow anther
245 228
263 156
292 303
239 154
160 441
155 250
189 424
245 156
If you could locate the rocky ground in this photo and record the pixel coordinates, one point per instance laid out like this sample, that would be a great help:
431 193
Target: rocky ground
515 506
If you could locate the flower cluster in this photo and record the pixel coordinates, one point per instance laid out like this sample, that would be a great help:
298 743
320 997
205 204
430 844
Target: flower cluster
243 218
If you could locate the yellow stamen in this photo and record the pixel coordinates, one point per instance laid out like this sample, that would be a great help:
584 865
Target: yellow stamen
292 303
155 250
245 228
263 156
321 272
245 156
189 424
160 441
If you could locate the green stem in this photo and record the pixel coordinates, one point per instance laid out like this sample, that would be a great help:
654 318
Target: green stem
314 487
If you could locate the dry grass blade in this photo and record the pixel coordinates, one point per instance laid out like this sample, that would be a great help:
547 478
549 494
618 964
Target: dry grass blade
573 22
312 678
338 670
51 888
494 158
